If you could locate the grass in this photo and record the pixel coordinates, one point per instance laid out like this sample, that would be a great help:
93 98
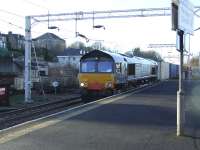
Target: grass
195 78
16 99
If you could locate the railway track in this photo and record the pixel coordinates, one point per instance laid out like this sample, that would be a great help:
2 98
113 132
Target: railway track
11 118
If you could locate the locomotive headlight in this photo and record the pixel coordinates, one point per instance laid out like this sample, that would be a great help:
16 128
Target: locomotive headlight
108 85
83 84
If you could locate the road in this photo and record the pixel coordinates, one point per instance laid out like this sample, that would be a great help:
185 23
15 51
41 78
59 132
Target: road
143 121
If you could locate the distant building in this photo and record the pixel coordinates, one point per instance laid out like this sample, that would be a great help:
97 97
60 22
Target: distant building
3 47
40 68
71 56
2 40
51 42
15 41
8 66
8 71
37 71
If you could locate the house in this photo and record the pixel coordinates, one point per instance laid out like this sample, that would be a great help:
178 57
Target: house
2 40
8 71
3 46
51 42
37 70
15 41
71 56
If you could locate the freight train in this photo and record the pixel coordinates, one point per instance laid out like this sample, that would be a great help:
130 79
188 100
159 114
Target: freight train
103 72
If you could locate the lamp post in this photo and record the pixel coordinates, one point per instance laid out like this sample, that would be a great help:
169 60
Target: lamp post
180 92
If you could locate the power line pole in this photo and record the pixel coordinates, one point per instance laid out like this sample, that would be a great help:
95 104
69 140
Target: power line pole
180 93
27 71
199 60
182 23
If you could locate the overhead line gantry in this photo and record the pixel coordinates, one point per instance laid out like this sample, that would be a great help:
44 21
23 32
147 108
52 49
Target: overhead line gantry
82 15
128 13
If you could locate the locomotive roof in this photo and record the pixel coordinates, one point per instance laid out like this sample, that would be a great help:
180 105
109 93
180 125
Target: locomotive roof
95 53
118 57
146 61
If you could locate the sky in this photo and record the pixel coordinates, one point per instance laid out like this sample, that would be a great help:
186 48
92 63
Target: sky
120 34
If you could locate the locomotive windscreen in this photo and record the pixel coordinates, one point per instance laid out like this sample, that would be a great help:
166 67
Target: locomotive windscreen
88 66
103 66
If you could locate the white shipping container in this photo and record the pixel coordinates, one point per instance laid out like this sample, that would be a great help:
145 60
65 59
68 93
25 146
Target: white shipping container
163 71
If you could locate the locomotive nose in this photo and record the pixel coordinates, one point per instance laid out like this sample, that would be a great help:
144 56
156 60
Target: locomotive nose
96 81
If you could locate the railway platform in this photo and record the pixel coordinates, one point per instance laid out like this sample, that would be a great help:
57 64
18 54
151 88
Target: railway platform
141 120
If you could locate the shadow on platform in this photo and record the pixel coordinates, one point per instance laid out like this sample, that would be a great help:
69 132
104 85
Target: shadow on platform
127 114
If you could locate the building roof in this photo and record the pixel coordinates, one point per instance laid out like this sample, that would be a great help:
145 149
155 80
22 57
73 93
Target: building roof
2 34
48 36
19 36
71 52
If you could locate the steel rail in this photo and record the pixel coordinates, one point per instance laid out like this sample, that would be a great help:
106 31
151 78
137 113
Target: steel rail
12 118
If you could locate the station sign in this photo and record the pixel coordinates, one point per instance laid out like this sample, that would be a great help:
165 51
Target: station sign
55 84
185 16
182 16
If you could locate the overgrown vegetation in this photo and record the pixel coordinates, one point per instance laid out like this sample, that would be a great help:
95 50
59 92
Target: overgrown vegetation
194 61
95 45
153 55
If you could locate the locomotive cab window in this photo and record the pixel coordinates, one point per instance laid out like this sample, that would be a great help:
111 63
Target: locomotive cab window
88 66
131 69
105 66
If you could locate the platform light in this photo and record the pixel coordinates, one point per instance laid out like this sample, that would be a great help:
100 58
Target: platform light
197 29
83 36
53 27
82 84
99 26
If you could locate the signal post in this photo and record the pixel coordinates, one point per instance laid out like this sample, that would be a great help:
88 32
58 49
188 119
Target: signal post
182 23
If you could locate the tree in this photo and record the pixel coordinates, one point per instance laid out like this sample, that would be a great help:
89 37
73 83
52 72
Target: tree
144 54
78 45
137 52
13 52
134 52
95 45
100 46
8 44
47 55
194 61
